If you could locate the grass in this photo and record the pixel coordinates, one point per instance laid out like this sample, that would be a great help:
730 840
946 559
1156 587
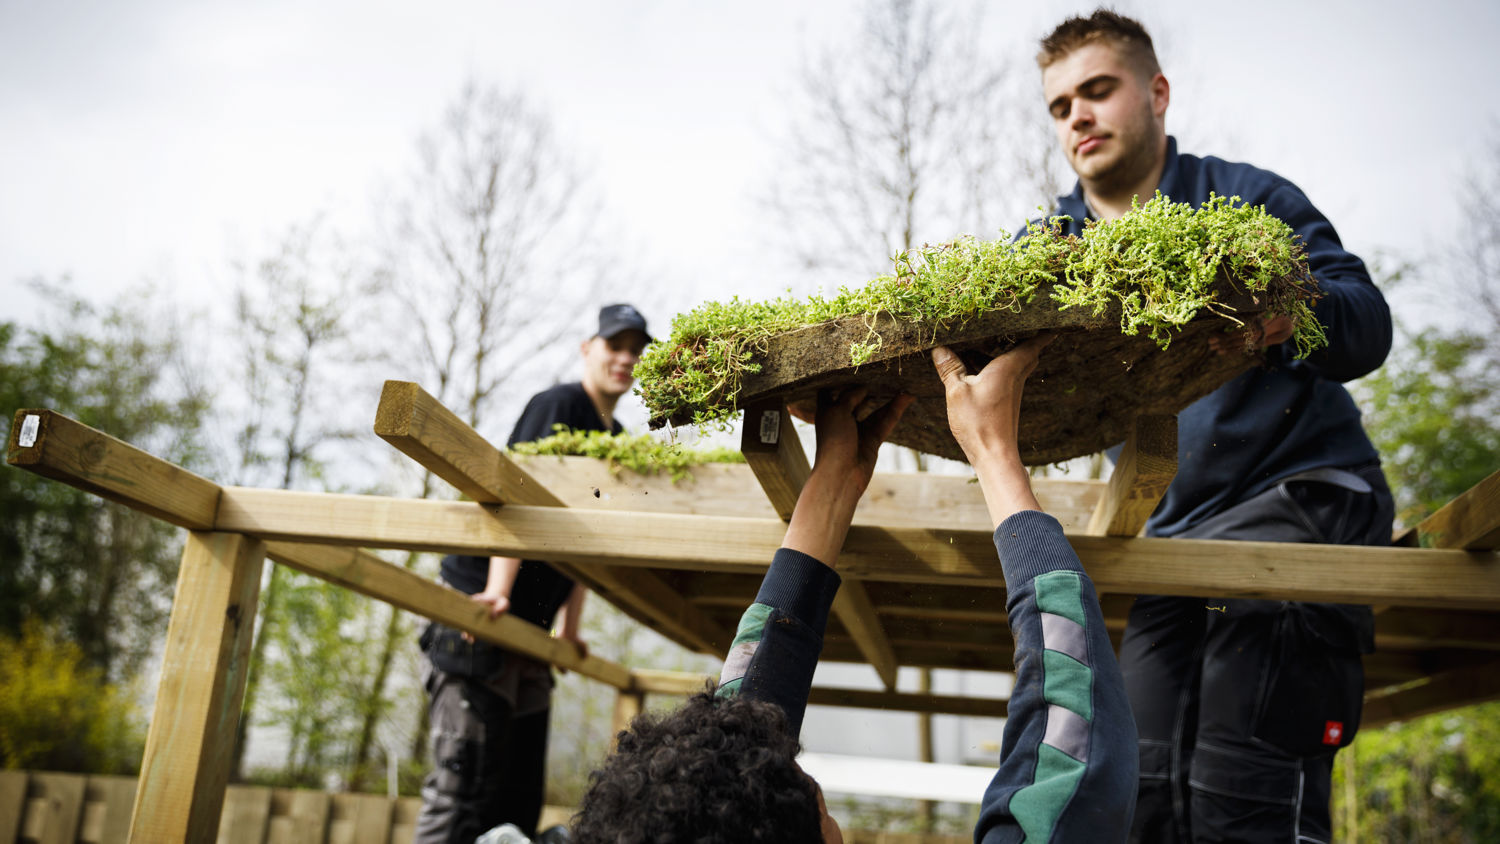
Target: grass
1156 263
643 454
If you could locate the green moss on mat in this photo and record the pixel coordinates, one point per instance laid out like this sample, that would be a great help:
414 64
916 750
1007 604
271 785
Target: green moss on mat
643 454
1157 263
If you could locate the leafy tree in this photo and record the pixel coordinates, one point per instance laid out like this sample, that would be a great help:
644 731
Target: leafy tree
98 574
906 134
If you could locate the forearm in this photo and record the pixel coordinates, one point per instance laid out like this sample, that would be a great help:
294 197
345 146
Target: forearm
570 616
1005 483
502 576
820 522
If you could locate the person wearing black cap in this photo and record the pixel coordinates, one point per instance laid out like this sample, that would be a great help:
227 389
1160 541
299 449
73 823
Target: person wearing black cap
489 707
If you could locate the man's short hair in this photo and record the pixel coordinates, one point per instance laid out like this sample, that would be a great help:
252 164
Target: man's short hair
715 769
1125 34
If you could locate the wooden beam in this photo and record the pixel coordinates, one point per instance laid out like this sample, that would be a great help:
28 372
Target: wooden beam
1207 568
1147 464
189 745
628 704
771 448
369 575
683 683
909 702
1449 689
54 446
420 427
893 499
774 452
1470 521
1415 629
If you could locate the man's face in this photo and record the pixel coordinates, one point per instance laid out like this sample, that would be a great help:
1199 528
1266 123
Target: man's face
609 361
1108 120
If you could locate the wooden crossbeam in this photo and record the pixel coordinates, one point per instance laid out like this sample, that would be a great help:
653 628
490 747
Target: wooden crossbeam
1147 464
420 427
1401 628
1208 568
369 575
1470 521
772 448
189 746
54 446
686 683
1457 687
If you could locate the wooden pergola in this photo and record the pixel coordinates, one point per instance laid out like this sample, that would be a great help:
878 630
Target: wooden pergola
922 585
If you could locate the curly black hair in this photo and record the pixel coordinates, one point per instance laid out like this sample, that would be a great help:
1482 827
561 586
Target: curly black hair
715 771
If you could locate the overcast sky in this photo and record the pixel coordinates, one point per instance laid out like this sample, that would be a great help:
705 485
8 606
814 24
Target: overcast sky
154 139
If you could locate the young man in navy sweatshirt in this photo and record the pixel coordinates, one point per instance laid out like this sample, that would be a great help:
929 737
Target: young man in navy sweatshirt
723 767
1240 704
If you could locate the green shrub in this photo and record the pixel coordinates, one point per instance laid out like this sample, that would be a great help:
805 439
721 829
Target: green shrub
58 714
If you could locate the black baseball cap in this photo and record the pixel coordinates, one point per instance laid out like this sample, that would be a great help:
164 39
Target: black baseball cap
616 318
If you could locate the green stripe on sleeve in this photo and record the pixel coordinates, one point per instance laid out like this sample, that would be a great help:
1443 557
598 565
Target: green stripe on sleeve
752 623
1038 806
1061 592
1068 683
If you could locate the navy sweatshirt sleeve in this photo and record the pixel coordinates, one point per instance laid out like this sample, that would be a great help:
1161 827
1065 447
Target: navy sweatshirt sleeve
780 637
1068 758
1352 309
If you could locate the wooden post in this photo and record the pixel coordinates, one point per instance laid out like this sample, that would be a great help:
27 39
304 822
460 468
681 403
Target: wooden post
628 704
774 452
188 748
1146 467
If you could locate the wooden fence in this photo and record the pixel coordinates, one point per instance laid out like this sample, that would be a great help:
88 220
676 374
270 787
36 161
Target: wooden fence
43 808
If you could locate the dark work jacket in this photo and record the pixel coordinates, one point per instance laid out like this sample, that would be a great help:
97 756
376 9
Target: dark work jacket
539 590
1289 415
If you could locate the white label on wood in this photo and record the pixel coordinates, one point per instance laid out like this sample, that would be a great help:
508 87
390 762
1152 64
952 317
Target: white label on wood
29 427
770 427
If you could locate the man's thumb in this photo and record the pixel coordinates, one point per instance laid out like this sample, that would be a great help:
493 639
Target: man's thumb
948 364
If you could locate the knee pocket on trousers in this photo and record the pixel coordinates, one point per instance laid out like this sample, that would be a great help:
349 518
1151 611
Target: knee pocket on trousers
1246 776
457 759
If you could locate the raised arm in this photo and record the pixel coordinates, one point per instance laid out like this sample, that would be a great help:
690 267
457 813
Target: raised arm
1068 760
780 636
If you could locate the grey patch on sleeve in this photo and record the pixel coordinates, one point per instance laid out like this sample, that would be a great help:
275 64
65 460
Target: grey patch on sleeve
1067 731
1065 635
737 662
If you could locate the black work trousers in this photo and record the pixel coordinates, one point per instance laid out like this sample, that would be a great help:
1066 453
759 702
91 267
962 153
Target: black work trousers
488 763
1241 704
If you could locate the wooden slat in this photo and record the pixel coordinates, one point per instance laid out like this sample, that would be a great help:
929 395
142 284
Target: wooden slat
1147 464
13 785
1449 689
1470 521
1207 568
298 816
774 452
771 448
61 808
662 682
358 818
198 700
77 455
247 815
369 575
115 796
420 427
1407 629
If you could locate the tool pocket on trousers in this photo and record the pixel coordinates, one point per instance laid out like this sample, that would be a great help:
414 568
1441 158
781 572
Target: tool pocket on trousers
457 769
1313 693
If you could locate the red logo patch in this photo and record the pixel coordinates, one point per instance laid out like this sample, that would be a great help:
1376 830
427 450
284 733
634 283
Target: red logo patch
1333 733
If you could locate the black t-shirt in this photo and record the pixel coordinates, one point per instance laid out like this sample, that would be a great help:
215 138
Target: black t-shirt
539 590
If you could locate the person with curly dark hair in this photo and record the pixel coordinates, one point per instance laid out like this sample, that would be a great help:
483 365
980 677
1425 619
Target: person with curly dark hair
722 768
